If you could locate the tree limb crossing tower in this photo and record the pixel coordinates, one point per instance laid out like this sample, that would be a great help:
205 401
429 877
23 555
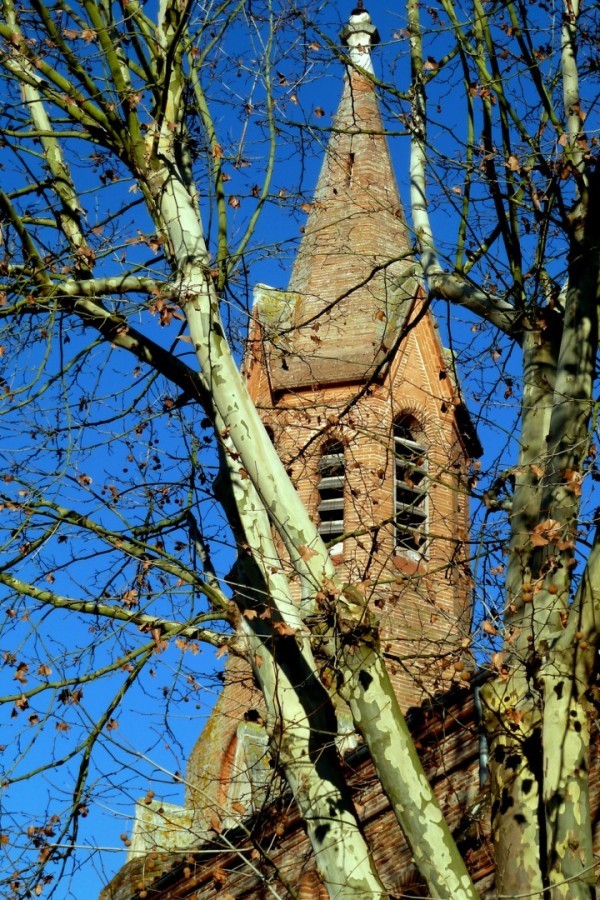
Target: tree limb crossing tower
360 398
361 401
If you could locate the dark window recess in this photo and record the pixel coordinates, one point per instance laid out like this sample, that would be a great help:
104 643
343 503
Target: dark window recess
331 491
410 487
349 169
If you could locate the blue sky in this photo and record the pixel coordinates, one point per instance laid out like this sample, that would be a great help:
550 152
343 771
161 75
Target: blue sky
105 438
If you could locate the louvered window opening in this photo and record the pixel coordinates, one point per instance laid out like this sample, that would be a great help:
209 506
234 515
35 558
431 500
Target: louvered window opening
410 490
331 492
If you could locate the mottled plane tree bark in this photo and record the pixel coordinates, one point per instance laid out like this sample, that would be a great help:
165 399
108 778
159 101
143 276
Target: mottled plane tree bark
139 113
133 90
537 162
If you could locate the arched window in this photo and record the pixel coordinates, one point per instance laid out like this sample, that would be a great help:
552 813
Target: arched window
331 491
410 486
246 773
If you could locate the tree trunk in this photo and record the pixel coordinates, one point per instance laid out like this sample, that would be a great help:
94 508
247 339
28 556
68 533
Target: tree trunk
512 722
378 717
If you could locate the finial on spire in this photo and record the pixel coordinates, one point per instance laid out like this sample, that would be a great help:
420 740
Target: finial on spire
359 35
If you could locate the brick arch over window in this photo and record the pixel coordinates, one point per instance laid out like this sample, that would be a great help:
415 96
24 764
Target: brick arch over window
410 484
331 484
428 427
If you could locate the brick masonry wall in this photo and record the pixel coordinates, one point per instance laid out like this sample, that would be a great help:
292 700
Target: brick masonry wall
423 602
320 366
274 852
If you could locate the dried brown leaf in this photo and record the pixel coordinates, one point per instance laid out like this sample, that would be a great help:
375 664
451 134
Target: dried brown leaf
283 629
250 614
306 553
573 479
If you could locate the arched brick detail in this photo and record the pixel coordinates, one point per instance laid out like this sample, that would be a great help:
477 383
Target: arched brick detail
329 437
412 409
226 774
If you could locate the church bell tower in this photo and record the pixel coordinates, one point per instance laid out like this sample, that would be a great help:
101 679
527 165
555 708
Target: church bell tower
350 375
351 379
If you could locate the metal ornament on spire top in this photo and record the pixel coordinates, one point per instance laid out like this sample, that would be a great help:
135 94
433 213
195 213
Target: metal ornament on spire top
359 35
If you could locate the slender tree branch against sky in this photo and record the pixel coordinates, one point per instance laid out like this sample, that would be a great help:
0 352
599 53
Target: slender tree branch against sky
162 508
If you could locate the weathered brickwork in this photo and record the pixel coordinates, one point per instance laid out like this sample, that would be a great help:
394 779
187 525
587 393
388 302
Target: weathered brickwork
341 355
305 381
305 344
423 598
272 851
353 279
210 761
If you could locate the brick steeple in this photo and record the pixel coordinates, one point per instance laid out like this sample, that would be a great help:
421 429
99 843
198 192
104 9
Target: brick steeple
352 282
381 466
364 411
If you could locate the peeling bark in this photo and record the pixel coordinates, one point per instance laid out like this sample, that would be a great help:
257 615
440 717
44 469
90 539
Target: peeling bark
512 723
378 717
539 375
566 752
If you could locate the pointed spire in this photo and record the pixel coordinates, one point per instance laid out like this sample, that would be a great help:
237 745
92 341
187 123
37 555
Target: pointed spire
352 279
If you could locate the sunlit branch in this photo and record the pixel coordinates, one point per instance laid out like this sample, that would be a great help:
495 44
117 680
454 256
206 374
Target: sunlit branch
268 177
72 60
444 285
145 652
584 614
121 664
502 191
137 549
96 728
466 201
64 94
115 285
523 35
142 621
571 97
217 174
29 547
114 56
